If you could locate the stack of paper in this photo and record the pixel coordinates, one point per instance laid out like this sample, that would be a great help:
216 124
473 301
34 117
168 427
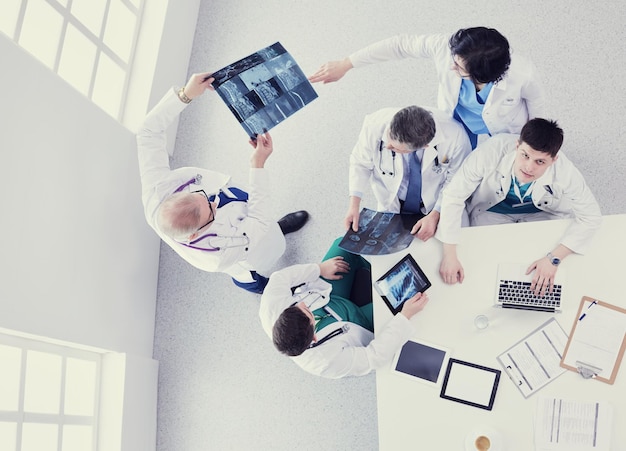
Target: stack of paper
572 425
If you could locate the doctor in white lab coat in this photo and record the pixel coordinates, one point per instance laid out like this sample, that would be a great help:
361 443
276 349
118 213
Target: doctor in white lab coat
481 84
332 337
380 160
516 178
234 237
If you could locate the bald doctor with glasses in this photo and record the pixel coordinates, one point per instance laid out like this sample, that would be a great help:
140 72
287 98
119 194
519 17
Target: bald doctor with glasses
211 224
381 157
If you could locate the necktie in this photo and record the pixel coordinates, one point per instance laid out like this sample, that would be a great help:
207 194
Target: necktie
242 196
414 191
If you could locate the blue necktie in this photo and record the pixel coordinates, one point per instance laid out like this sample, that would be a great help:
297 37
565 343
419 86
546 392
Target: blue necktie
414 191
242 196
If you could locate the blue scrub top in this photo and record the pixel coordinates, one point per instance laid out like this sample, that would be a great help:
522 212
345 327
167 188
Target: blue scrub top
469 109
506 207
348 311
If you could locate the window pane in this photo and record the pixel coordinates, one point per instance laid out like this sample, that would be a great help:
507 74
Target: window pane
8 432
77 59
120 29
10 370
39 437
41 31
90 13
76 438
109 86
43 382
80 385
8 16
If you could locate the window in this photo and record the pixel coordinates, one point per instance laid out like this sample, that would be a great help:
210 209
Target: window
89 43
49 396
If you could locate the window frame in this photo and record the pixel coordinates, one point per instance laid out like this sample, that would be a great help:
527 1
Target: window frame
20 416
98 41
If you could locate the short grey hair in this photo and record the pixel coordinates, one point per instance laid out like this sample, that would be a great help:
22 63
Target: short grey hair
179 215
414 126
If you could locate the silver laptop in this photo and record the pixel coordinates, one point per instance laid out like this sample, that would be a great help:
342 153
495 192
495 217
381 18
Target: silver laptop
513 290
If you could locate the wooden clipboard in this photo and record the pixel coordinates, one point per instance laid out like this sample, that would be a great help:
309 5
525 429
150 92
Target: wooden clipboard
594 341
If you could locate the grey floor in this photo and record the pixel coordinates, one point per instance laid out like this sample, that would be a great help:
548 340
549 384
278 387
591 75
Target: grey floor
222 386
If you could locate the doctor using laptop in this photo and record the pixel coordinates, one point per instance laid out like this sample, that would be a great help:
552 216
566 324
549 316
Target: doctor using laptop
510 179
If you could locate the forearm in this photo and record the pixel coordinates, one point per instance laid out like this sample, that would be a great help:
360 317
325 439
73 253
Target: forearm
260 205
361 360
152 139
396 48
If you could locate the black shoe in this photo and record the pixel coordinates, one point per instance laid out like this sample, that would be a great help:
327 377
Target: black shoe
293 221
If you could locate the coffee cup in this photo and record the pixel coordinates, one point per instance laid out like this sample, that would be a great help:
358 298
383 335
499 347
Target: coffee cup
482 443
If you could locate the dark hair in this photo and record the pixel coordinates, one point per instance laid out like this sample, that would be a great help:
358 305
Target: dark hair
414 126
542 135
485 53
293 332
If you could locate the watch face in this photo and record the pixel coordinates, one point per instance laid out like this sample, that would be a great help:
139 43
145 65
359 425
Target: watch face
555 261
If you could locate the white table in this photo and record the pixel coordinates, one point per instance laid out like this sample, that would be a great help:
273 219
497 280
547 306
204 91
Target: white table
412 416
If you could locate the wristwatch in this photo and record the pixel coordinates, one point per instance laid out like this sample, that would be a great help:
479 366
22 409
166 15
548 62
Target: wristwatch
554 260
182 96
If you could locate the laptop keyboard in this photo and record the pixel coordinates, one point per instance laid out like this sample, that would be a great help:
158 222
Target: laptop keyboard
516 293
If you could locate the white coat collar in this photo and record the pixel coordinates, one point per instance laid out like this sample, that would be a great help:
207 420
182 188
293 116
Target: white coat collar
505 171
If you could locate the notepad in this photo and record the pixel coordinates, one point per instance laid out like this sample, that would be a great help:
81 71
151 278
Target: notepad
597 341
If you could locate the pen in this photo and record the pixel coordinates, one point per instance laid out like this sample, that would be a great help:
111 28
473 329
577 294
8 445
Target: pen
585 314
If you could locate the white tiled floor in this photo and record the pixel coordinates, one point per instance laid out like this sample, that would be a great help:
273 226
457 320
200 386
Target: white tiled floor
222 385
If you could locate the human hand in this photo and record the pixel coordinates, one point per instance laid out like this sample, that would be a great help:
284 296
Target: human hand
352 218
263 148
332 266
414 305
331 71
543 279
197 84
426 227
450 269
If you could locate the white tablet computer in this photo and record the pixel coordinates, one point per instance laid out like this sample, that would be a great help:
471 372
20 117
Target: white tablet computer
421 361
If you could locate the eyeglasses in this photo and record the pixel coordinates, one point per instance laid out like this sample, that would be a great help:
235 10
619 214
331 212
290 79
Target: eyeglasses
210 208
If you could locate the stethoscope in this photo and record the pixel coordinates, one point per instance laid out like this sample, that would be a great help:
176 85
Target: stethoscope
244 241
300 296
235 241
391 173
437 168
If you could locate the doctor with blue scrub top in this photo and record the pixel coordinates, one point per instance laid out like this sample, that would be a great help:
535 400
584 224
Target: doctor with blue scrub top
481 84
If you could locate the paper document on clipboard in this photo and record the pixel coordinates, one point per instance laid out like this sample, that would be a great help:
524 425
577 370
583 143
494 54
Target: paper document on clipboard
597 341
533 362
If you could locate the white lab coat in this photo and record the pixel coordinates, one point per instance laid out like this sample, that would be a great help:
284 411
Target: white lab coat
486 177
518 97
383 169
353 353
232 221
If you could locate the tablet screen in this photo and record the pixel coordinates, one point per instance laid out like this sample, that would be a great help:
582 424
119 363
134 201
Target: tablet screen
403 281
422 361
470 384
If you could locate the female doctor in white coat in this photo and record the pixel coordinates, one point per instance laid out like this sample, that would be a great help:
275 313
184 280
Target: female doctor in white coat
481 84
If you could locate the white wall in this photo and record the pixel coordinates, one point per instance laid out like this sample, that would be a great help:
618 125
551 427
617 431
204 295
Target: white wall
79 262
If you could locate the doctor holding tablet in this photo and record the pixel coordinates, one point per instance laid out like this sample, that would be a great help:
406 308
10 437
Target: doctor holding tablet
312 316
